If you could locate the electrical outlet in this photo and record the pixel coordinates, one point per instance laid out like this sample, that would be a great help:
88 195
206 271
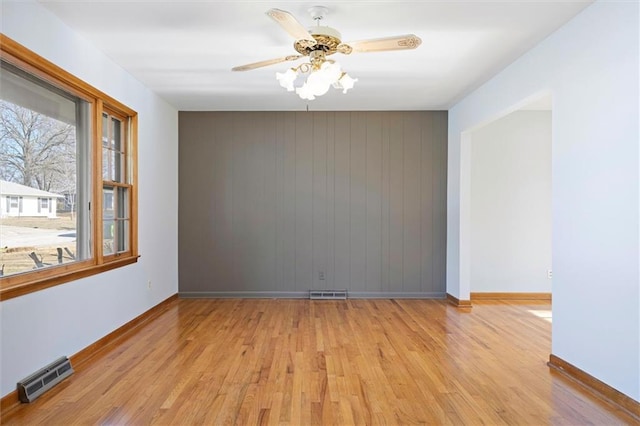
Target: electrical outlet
321 275
549 273
149 284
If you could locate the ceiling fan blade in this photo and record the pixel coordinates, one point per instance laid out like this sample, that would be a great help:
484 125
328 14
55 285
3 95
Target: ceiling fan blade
291 25
266 63
403 42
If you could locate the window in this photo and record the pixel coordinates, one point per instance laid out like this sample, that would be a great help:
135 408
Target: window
67 167
12 204
116 191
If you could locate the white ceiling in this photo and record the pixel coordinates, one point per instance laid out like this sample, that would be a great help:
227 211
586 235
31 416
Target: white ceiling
184 50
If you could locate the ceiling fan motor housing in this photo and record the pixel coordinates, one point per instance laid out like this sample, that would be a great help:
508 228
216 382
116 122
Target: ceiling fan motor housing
327 39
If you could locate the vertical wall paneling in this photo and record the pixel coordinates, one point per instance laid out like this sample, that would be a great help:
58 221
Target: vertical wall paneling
330 206
396 202
289 200
270 200
252 141
304 196
222 221
385 205
439 208
268 219
240 139
342 207
319 239
411 199
373 183
358 200
427 174
280 224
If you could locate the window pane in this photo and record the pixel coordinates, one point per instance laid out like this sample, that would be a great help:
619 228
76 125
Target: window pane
38 213
117 166
108 165
123 235
107 157
115 213
112 153
123 203
105 130
108 202
116 134
108 234
123 219
109 194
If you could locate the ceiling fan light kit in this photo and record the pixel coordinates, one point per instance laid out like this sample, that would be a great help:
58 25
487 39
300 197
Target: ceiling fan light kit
319 74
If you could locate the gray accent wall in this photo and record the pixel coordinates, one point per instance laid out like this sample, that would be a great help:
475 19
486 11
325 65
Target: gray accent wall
271 201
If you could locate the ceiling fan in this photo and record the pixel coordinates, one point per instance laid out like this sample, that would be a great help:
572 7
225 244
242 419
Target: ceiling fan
317 43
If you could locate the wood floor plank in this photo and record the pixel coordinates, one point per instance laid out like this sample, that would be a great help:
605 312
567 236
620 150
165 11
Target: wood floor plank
303 362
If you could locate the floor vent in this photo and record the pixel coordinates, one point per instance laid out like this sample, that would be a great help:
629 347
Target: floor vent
44 379
328 294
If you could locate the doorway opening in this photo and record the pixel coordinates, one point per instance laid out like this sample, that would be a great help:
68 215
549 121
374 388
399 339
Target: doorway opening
509 206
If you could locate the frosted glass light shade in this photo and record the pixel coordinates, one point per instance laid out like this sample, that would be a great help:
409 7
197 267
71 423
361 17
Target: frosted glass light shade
305 92
346 82
287 78
318 83
321 76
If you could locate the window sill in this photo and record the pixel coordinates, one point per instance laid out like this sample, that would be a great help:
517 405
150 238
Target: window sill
15 290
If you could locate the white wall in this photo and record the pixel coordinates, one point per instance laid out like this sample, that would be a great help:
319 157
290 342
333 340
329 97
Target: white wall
511 204
590 67
39 327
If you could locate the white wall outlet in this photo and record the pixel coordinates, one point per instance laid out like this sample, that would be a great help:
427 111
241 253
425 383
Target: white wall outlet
549 273
149 284
321 275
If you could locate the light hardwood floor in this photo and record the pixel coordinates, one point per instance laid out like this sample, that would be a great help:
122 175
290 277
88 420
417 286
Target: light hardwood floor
304 362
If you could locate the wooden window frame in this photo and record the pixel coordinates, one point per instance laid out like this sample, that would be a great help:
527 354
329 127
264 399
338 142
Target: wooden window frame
28 282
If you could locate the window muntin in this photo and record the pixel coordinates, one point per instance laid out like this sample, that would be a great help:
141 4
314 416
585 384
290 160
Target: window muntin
98 165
